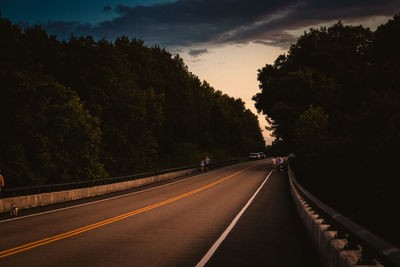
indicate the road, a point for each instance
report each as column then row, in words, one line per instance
column 173, row 224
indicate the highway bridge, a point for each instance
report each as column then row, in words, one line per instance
column 245, row 214
column 238, row 215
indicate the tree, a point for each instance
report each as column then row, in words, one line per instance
column 334, row 99
column 50, row 137
column 85, row 108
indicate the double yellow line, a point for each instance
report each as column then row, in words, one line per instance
column 51, row 239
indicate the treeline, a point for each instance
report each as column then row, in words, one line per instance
column 334, row 100
column 84, row 109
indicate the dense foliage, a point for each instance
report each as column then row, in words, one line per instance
column 84, row 109
column 334, row 100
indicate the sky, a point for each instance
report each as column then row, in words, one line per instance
column 224, row 42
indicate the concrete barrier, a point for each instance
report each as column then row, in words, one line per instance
column 30, row 201
column 331, row 250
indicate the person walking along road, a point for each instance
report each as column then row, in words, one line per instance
column 207, row 162
column 202, row 165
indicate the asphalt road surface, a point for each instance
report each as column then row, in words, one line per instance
column 215, row 218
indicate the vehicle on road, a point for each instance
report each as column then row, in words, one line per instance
column 262, row 155
column 254, row 156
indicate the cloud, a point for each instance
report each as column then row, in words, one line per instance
column 197, row 52
column 107, row 8
column 210, row 22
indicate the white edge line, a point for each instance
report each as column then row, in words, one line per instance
column 214, row 247
column 107, row 199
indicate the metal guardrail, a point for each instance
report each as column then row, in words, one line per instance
column 29, row 190
column 372, row 246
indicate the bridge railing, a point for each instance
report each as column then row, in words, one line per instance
column 29, row 190
column 372, row 246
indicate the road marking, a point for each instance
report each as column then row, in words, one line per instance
column 214, row 247
column 107, row 199
column 51, row 239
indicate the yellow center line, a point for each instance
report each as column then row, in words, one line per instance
column 51, row 239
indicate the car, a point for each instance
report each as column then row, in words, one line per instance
column 262, row 155
column 254, row 156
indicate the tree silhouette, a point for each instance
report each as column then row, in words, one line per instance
column 334, row 99
column 83, row 109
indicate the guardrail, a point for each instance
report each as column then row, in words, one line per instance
column 29, row 190
column 373, row 248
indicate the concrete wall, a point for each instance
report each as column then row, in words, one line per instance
column 25, row 202
column 331, row 250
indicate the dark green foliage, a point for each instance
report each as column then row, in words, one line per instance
column 335, row 100
column 84, row 109
column 47, row 135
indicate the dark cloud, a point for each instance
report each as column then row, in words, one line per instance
column 107, row 8
column 193, row 22
column 197, row 52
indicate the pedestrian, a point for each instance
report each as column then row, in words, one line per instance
column 274, row 162
column 281, row 163
column 202, row 165
column 1, row 185
column 207, row 162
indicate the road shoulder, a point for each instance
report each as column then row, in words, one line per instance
column 269, row 233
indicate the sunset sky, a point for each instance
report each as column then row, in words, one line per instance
column 223, row 42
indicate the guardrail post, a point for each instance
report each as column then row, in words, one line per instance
column 325, row 221
column 340, row 234
column 367, row 258
column 351, row 244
